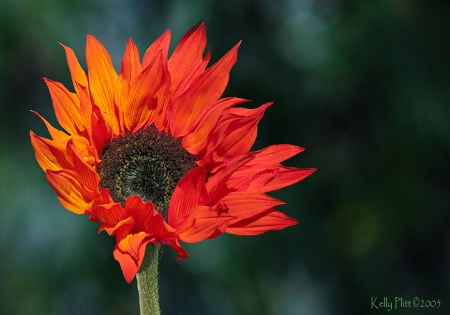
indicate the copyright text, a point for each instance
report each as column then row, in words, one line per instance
column 392, row 303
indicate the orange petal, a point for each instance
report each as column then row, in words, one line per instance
column 146, row 94
column 190, row 189
column 86, row 150
column 120, row 99
column 203, row 223
column 56, row 134
column 207, row 88
column 85, row 109
column 78, row 75
column 50, row 154
column 266, row 221
column 88, row 175
column 129, row 252
column 130, row 69
column 131, row 65
column 72, row 193
column 102, row 81
column 67, row 107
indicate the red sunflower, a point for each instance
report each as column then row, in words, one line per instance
column 155, row 155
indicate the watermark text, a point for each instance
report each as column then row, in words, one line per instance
column 393, row 303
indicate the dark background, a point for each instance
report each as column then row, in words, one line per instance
column 362, row 85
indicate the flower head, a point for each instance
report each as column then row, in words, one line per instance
column 155, row 155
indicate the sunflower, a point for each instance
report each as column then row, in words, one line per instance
column 155, row 155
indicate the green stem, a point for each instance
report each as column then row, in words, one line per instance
column 147, row 281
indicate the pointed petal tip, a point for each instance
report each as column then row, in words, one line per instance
column 47, row 80
column 199, row 25
column 130, row 41
column 235, row 48
column 92, row 40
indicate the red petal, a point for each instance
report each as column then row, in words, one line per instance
column 110, row 214
column 275, row 154
column 218, row 181
column 179, row 88
column 181, row 252
column 287, row 176
column 161, row 45
column 129, row 252
column 142, row 212
column 148, row 219
column 264, row 173
column 100, row 130
column 202, row 224
column 244, row 205
column 103, row 198
column 266, row 221
column 188, row 54
column 190, row 189
column 268, row 179
column 251, row 183
column 240, row 131
column 195, row 141
column 121, row 229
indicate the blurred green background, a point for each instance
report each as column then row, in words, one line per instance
column 364, row 86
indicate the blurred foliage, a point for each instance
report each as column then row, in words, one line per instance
column 363, row 85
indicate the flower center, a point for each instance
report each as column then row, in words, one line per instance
column 147, row 163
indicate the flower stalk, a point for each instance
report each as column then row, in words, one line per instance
column 147, row 281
